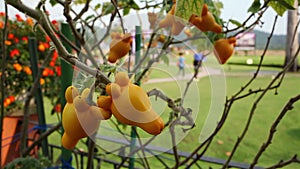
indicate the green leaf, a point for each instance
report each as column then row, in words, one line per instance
column 98, row 6
column 134, row 5
column 53, row 2
column 255, row 6
column 107, row 8
column 185, row 8
column 165, row 59
column 280, row 6
column 235, row 22
column 126, row 11
column 89, row 17
column 287, row 4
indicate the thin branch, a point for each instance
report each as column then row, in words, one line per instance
column 288, row 106
column 260, row 61
column 75, row 32
column 229, row 103
column 254, row 106
column 84, row 9
column 114, row 2
column 152, row 61
column 41, row 138
column 174, row 147
column 282, row 163
column 243, row 25
column 135, row 151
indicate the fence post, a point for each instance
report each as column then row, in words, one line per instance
column 39, row 95
column 66, row 80
column 138, row 40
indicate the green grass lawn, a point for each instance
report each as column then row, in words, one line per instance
column 285, row 143
column 236, row 64
column 286, row 140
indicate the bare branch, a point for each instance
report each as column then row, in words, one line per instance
column 288, row 106
column 42, row 137
column 282, row 163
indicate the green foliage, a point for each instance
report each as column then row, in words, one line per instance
column 280, row 6
column 107, row 8
column 255, row 6
column 235, row 22
column 185, row 8
column 28, row 163
column 18, row 72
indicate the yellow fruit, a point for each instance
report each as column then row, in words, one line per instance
column 119, row 48
column 152, row 18
column 206, row 22
column 71, row 92
column 224, row 49
column 79, row 119
column 131, row 105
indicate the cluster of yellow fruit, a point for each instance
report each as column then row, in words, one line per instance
column 127, row 102
column 205, row 22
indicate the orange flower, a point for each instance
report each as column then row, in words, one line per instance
column 42, row 81
column 1, row 25
column 29, row 21
column 11, row 98
column 27, row 70
column 58, row 70
column 45, row 72
column 2, row 13
column 18, row 67
column 25, row 39
column 41, row 47
column 57, row 108
column 10, row 36
column 52, row 63
column 0, row 73
column 19, row 18
column 16, row 40
column 14, row 52
column 7, row 42
column 48, row 39
column 7, row 102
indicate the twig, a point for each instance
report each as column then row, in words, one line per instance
column 3, row 76
column 174, row 146
column 114, row 2
column 253, row 109
column 288, row 106
column 75, row 32
column 150, row 63
column 282, row 163
column 84, row 9
column 135, row 151
column 263, row 9
column 91, row 147
column 41, row 138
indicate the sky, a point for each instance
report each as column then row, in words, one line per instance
column 237, row 10
column 233, row 9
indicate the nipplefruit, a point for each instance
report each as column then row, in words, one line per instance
column 131, row 105
column 206, row 22
column 224, row 48
column 80, row 119
column 119, row 47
